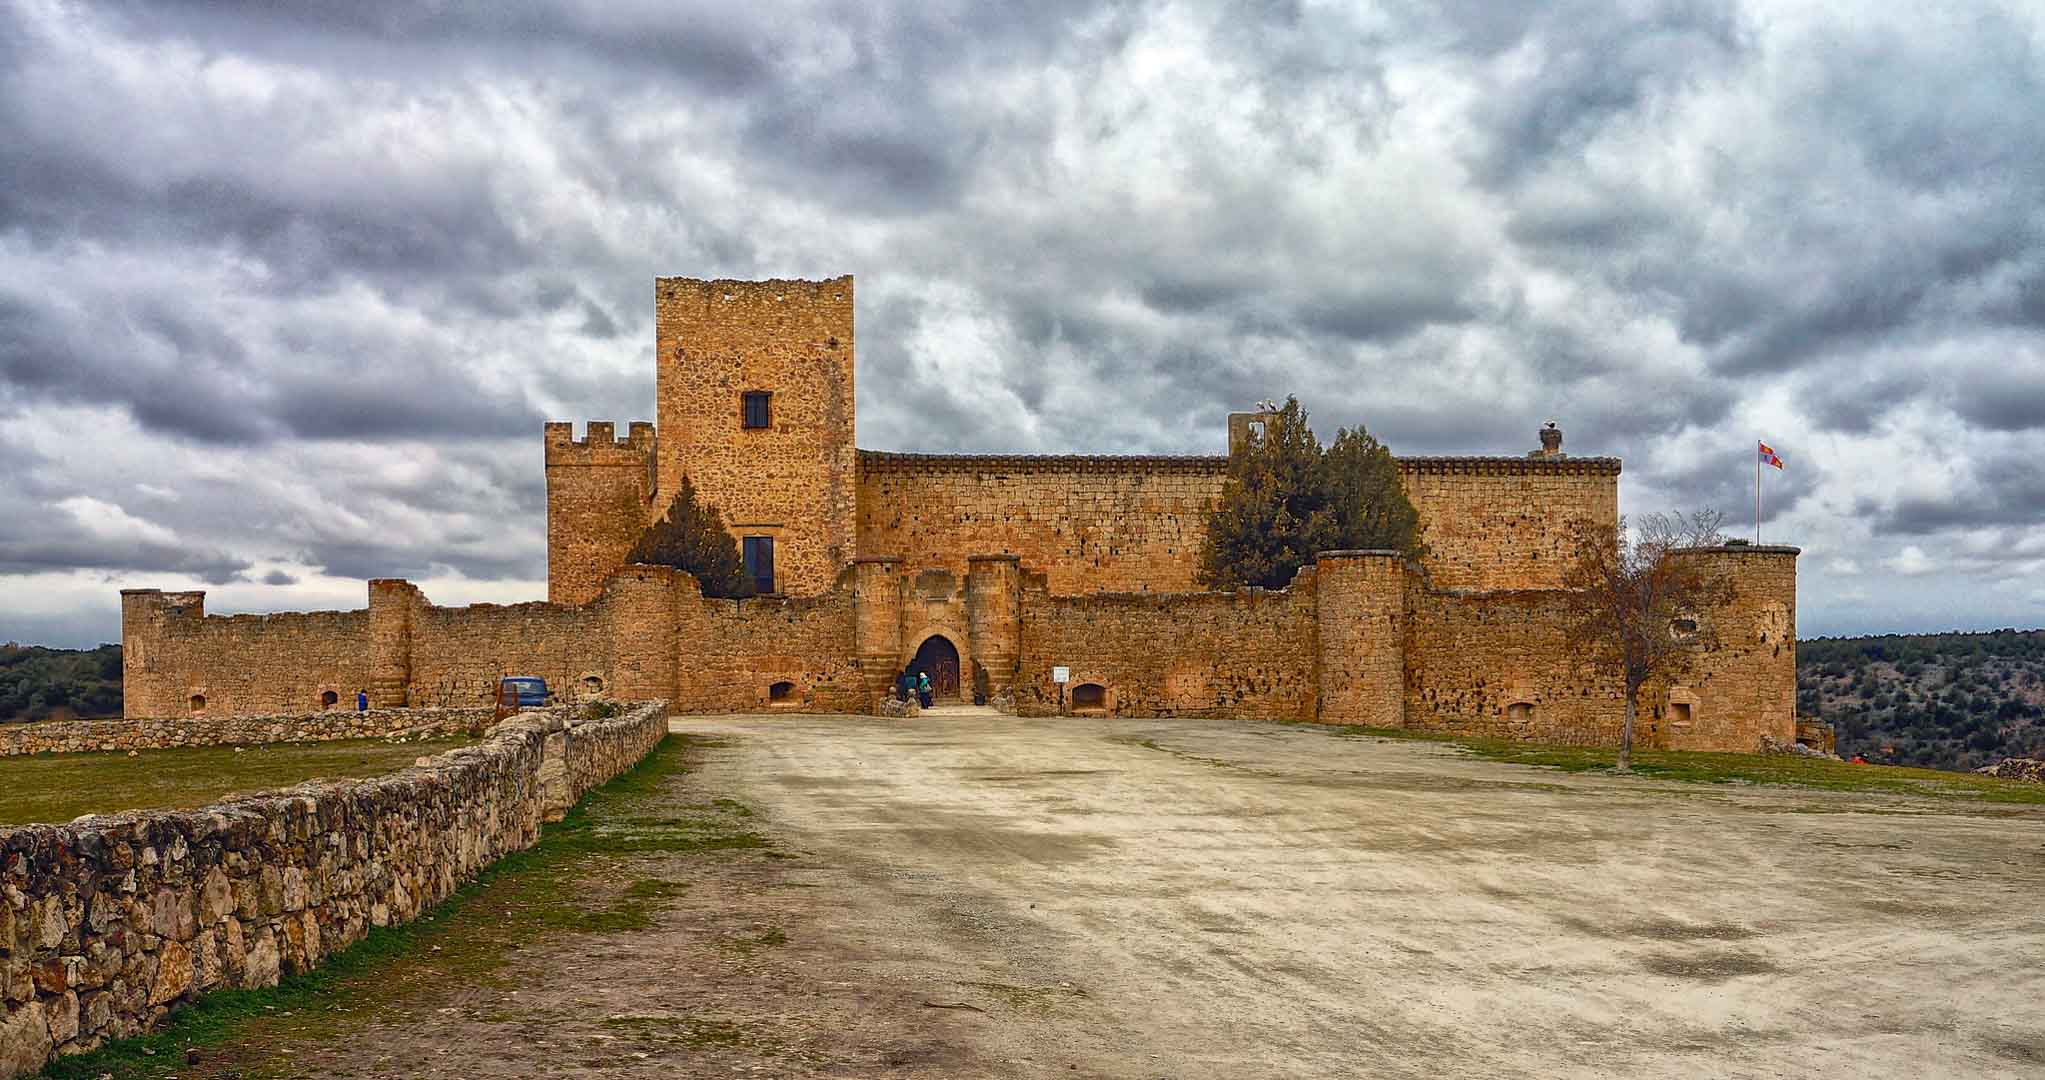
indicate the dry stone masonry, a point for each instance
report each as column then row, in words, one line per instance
column 162, row 733
column 992, row 571
column 109, row 922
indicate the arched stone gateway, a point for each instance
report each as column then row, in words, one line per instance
column 940, row 658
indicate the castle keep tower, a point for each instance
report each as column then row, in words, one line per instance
column 754, row 385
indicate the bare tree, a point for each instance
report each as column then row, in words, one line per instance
column 1633, row 601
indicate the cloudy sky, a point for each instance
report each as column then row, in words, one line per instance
column 286, row 290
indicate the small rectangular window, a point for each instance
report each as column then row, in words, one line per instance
column 759, row 556
column 756, row 411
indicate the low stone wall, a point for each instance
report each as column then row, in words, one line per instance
column 109, row 922
column 74, row 736
column 2016, row 768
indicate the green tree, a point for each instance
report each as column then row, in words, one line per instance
column 692, row 537
column 1285, row 500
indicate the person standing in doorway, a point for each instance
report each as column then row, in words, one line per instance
column 923, row 688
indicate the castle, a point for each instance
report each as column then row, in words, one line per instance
column 997, row 573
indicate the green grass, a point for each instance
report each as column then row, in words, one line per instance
column 55, row 788
column 587, row 874
column 1712, row 768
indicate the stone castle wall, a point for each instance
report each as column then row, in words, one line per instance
column 1505, row 523
column 1090, row 524
column 1497, row 665
column 733, row 653
column 457, row 655
column 109, row 922
column 173, row 653
column 162, row 733
column 1136, row 524
column 1361, row 638
column 1241, row 655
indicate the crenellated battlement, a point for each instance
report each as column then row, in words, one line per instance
column 600, row 445
column 600, row 497
column 156, row 603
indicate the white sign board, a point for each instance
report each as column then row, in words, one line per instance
column 1061, row 674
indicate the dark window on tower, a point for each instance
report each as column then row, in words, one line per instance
column 756, row 412
column 759, row 556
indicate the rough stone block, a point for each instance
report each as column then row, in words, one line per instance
column 216, row 897
column 61, row 1012
column 25, row 1042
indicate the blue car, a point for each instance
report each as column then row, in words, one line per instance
column 524, row 691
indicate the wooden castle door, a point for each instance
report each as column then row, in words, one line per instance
column 940, row 658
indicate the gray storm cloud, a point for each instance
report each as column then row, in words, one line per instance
column 287, row 289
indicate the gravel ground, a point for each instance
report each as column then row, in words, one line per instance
column 987, row 896
column 1212, row 899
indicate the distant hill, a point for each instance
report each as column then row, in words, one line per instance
column 1946, row 701
column 44, row 684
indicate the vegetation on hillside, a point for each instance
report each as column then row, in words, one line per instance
column 1944, row 701
column 53, row 684
column 692, row 537
column 1286, row 499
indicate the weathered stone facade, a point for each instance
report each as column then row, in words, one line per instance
column 794, row 480
column 109, row 922
column 1005, row 566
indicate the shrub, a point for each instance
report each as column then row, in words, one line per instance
column 692, row 537
column 1285, row 500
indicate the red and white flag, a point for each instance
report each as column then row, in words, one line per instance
column 1768, row 456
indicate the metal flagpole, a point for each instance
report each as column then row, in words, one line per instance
column 1757, row 495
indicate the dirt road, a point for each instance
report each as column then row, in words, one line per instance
column 1197, row 899
column 1016, row 898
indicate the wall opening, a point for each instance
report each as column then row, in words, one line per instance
column 1090, row 697
column 781, row 693
column 198, row 703
column 1520, row 713
column 754, row 411
column 758, row 554
column 329, row 699
column 592, row 685
column 939, row 659
column 1679, row 715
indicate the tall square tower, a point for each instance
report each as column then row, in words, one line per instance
column 754, row 387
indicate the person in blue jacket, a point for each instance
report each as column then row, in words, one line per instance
column 361, row 701
column 923, row 688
